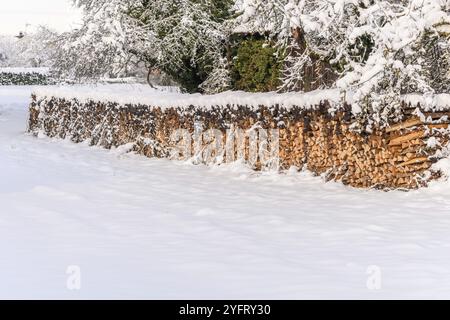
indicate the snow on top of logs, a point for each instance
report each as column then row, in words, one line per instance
column 43, row 71
column 167, row 97
column 124, row 94
column 436, row 102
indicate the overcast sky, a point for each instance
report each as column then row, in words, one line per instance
column 16, row 14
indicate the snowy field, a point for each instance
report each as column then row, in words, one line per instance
column 148, row 228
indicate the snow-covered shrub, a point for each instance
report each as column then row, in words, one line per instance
column 25, row 76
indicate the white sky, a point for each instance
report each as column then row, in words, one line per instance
column 57, row 14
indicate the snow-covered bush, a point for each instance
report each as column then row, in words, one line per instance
column 24, row 76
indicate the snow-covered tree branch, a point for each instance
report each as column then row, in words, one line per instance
column 184, row 38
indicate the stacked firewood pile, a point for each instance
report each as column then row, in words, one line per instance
column 399, row 156
column 396, row 157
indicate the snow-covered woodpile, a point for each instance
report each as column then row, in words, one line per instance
column 320, row 137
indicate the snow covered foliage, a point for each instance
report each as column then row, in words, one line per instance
column 24, row 76
column 379, row 49
column 183, row 38
column 219, row 79
column 188, row 40
column 32, row 50
column 103, row 46
column 3, row 56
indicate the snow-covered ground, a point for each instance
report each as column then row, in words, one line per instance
column 149, row 228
